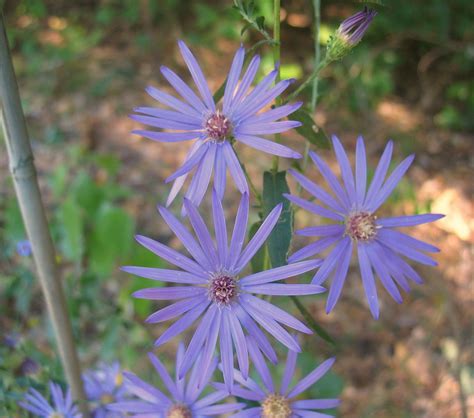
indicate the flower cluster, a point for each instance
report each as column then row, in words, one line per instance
column 209, row 283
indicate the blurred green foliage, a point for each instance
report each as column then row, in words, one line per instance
column 419, row 50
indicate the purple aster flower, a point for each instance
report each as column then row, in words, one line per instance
column 104, row 386
column 23, row 248
column 280, row 403
column 353, row 28
column 184, row 401
column 62, row 407
column 214, row 291
column 380, row 248
column 214, row 129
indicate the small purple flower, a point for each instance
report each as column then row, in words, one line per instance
column 184, row 401
column 280, row 403
column 214, row 291
column 215, row 129
column 29, row 366
column 353, row 209
column 23, row 248
column 63, row 406
column 353, row 28
column 104, row 386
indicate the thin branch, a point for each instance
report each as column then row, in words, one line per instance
column 28, row 194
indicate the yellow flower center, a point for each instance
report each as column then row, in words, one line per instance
column 179, row 411
column 276, row 406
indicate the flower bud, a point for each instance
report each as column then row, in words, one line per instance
column 349, row 34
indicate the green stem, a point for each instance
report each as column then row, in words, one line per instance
column 276, row 60
column 311, row 322
column 314, row 92
column 307, row 82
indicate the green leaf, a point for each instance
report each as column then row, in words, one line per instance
column 72, row 229
column 260, row 22
column 274, row 185
column 259, row 260
column 110, row 240
column 88, row 194
column 311, row 322
column 309, row 129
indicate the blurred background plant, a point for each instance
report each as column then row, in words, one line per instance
column 82, row 66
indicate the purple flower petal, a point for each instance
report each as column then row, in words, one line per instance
column 279, row 273
column 331, row 179
column 240, row 229
column 260, row 101
column 259, row 238
column 368, row 280
column 220, row 173
column 179, row 182
column 316, row 404
column 173, row 310
column 321, row 230
column 380, row 173
column 240, row 344
column 170, row 255
column 267, row 146
column 165, row 275
column 173, row 102
column 256, row 333
column 209, row 349
column 259, row 89
column 390, row 184
column 316, row 191
column 260, row 365
column 202, row 177
column 313, row 248
column 167, row 293
column 164, row 375
column 247, row 80
column 197, row 75
column 376, row 258
column 169, row 114
column 274, row 114
column 339, row 276
column 167, row 123
column 182, row 323
column 202, row 233
column 312, row 207
column 272, row 327
column 190, row 163
column 312, row 378
column 182, row 88
column 265, row 128
column 361, row 172
column 346, row 171
column 233, row 78
column 289, row 371
column 185, row 238
column 167, row 136
column 412, row 220
column 330, row 261
column 281, row 289
column 227, row 354
column 235, row 168
column 197, row 340
column 220, row 228
column 275, row 313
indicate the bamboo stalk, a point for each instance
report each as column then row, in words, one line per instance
column 23, row 171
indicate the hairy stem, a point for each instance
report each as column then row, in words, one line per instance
column 276, row 60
